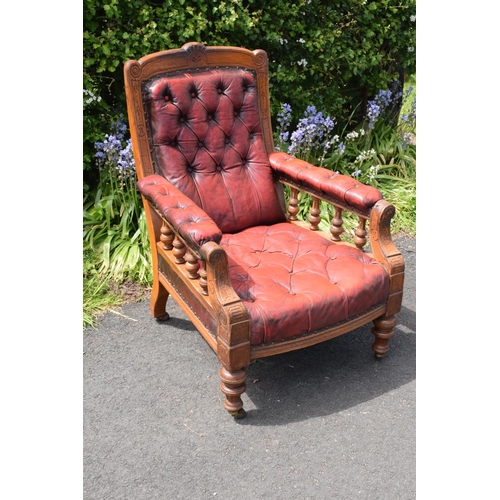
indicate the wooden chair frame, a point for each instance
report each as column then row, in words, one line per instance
column 198, row 278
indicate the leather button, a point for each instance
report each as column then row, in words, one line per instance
column 210, row 117
column 193, row 94
column 227, row 141
column 218, row 168
column 200, row 144
column 219, row 91
column 182, row 119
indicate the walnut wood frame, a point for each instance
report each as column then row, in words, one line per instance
column 205, row 293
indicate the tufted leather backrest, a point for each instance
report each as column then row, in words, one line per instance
column 206, row 139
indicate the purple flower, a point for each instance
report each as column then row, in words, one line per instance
column 116, row 152
column 312, row 133
column 372, row 113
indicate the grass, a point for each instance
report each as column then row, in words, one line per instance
column 97, row 294
column 102, row 291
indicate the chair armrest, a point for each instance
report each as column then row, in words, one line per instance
column 337, row 188
column 186, row 217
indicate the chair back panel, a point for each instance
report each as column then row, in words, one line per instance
column 206, row 139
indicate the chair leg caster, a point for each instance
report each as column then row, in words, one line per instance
column 165, row 317
column 241, row 413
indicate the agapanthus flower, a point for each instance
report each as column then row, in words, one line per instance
column 115, row 152
column 312, row 133
column 372, row 113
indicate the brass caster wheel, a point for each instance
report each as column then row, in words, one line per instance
column 165, row 317
column 239, row 414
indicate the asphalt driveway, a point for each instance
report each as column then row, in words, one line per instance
column 326, row 422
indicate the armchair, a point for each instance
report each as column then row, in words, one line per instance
column 254, row 280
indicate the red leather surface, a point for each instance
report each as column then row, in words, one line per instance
column 193, row 224
column 293, row 281
column 345, row 189
column 207, row 141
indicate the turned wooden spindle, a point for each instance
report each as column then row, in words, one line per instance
column 233, row 386
column 166, row 236
column 337, row 225
column 179, row 251
column 293, row 205
column 192, row 265
column 383, row 330
column 203, row 278
column 314, row 217
column 360, row 234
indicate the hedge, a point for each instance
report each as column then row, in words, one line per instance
column 333, row 54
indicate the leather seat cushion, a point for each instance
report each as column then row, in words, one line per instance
column 293, row 281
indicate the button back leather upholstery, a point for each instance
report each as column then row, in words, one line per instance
column 207, row 147
column 207, row 141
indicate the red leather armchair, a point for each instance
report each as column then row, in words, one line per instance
column 253, row 279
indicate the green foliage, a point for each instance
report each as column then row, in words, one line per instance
column 115, row 237
column 377, row 153
column 97, row 294
column 329, row 53
column 114, row 224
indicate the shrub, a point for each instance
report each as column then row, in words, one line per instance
column 377, row 153
column 114, row 224
column 333, row 54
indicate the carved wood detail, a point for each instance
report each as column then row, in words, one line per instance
column 196, row 54
column 337, row 225
column 293, row 205
column 179, row 250
column 233, row 385
column 233, row 333
column 167, row 236
column 383, row 330
column 192, row 265
column 383, row 248
column 203, row 278
column 360, row 234
column 314, row 214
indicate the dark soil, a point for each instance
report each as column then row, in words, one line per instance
column 131, row 291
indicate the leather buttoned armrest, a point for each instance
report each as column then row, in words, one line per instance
column 338, row 188
column 188, row 219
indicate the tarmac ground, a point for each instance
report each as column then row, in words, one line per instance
column 327, row 422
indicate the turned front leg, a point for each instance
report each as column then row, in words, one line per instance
column 233, row 385
column 383, row 330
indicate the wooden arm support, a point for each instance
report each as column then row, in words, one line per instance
column 185, row 217
column 340, row 190
column 233, row 330
column 385, row 252
column 233, row 344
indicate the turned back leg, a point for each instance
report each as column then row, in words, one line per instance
column 159, row 297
